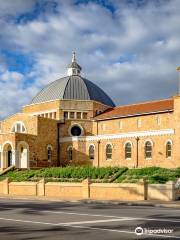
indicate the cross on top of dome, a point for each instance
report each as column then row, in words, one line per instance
column 74, row 68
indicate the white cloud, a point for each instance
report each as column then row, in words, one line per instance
column 132, row 54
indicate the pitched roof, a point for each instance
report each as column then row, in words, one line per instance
column 137, row 109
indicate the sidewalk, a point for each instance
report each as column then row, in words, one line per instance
column 145, row 203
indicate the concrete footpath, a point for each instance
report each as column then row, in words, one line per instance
column 145, row 203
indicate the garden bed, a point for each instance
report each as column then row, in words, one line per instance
column 104, row 174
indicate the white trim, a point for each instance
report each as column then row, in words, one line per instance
column 92, row 145
column 41, row 112
column 108, row 143
column 169, row 140
column 23, row 143
column 119, row 136
column 7, row 142
column 126, row 143
column 69, row 147
column 106, row 151
column 21, row 126
column 148, row 140
column 49, row 146
column 78, row 125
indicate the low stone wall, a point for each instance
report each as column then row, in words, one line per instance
column 165, row 192
column 115, row 191
column 1, row 188
column 63, row 190
column 23, row 188
column 177, row 194
column 87, row 190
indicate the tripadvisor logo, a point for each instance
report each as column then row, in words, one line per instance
column 140, row 231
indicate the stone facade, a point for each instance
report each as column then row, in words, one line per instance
column 59, row 131
column 41, row 132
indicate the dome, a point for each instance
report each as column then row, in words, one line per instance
column 72, row 87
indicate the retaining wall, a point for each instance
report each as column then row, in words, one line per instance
column 87, row 190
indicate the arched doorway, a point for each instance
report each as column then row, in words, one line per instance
column 7, row 155
column 23, row 153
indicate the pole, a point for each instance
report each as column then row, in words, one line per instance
column 178, row 69
column 137, row 153
column 98, row 152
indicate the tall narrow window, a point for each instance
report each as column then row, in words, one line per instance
column 49, row 153
column 91, row 152
column 70, row 153
column 128, row 150
column 78, row 115
column 65, row 115
column 72, row 115
column 148, row 149
column 108, row 151
column 168, row 149
column 84, row 115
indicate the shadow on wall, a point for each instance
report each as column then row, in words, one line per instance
column 76, row 153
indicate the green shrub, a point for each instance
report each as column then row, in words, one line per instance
column 104, row 174
column 151, row 174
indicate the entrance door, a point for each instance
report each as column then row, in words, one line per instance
column 9, row 158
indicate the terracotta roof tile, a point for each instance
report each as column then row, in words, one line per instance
column 137, row 109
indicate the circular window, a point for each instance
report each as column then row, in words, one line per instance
column 76, row 131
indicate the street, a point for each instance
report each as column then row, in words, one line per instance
column 33, row 219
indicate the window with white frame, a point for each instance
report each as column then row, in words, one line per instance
column 49, row 153
column 168, row 149
column 18, row 127
column 78, row 115
column 70, row 153
column 91, row 152
column 128, row 150
column 65, row 115
column 148, row 149
column 108, row 151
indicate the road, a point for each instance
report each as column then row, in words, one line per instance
column 33, row 219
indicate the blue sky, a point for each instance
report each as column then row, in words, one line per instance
column 130, row 48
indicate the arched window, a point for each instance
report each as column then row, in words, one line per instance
column 128, row 150
column 91, row 152
column 70, row 153
column 49, row 153
column 168, row 149
column 148, row 149
column 18, row 127
column 108, row 151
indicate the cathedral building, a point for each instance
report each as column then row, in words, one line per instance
column 72, row 119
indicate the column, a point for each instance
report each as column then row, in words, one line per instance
column 1, row 160
column 14, row 157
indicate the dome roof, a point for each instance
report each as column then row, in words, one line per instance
column 72, row 88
